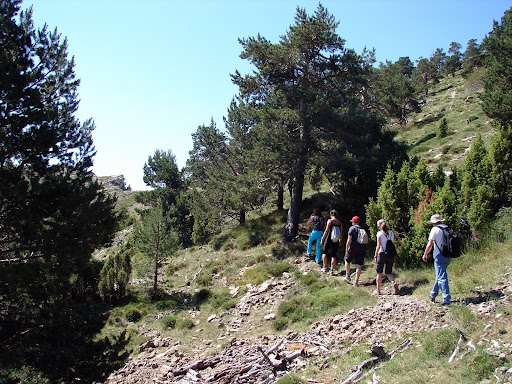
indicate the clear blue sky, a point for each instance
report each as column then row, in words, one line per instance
column 153, row 71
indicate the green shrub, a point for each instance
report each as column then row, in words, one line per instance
column 204, row 278
column 280, row 323
column 316, row 286
column 481, row 365
column 256, row 275
column 132, row 314
column 168, row 322
column 442, row 130
column 202, row 295
column 115, row 274
column 307, row 279
column 441, row 343
column 166, row 304
column 278, row 269
column 185, row 324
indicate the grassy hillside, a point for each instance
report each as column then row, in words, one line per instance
column 247, row 288
column 455, row 99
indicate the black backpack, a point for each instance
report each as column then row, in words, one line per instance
column 390, row 249
column 451, row 245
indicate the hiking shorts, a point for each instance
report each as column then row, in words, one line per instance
column 331, row 248
column 384, row 263
column 356, row 257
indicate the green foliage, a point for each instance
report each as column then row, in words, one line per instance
column 25, row 375
column 442, row 130
column 161, row 172
column 307, row 107
column 155, row 240
column 184, row 323
column 169, row 322
column 480, row 210
column 481, row 365
column 53, row 213
column 395, row 89
column 497, row 97
column 440, row 343
column 132, row 313
column 291, row 378
column 500, row 152
column 115, row 275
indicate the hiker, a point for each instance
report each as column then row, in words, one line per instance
column 354, row 251
column 316, row 234
column 435, row 241
column 385, row 255
column 331, row 241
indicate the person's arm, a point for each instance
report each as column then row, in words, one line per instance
column 311, row 219
column 341, row 232
column 349, row 241
column 379, row 241
column 428, row 248
column 326, row 232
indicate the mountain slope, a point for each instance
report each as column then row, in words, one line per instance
column 234, row 313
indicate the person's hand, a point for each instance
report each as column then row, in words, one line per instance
column 425, row 258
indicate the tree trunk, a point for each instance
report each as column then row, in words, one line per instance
column 280, row 198
column 292, row 222
column 155, row 277
column 297, row 183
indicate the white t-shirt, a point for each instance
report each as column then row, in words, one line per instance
column 436, row 234
column 384, row 239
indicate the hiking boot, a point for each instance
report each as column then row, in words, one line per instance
column 396, row 288
column 323, row 269
column 347, row 279
column 377, row 292
column 331, row 272
column 432, row 300
column 356, row 283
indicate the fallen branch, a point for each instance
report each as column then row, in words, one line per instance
column 457, row 347
column 359, row 370
column 358, row 374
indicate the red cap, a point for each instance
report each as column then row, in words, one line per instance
column 355, row 219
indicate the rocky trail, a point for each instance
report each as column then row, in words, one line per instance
column 387, row 329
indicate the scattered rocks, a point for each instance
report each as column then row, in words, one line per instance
column 266, row 358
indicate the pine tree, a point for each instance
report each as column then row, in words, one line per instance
column 497, row 95
column 155, row 239
column 306, row 90
column 442, row 129
column 454, row 60
column 472, row 58
column 53, row 213
column 396, row 92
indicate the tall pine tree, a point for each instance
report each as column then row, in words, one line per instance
column 306, row 89
column 53, row 214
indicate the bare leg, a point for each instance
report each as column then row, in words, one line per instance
column 347, row 270
column 358, row 272
column 333, row 264
column 379, row 281
column 324, row 261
